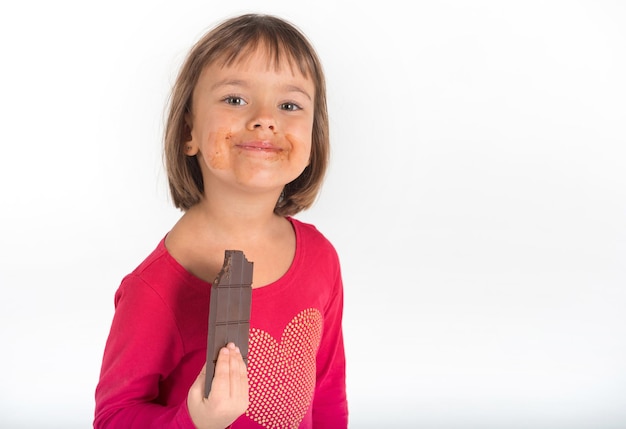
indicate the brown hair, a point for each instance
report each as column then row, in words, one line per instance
column 228, row 42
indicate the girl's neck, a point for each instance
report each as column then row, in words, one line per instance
column 236, row 216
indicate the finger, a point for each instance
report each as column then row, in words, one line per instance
column 238, row 375
column 196, row 391
column 243, row 377
column 233, row 369
column 221, row 381
column 198, row 385
column 244, row 373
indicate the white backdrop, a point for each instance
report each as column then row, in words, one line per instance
column 477, row 198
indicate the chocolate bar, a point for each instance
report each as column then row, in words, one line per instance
column 229, row 310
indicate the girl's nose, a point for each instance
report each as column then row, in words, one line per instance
column 262, row 119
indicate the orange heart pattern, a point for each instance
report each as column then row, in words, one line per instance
column 282, row 374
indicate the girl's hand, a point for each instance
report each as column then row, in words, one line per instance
column 228, row 398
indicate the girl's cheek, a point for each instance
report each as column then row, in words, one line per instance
column 219, row 148
column 298, row 149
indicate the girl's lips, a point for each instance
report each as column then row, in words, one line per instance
column 261, row 146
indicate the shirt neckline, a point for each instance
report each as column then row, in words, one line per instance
column 267, row 290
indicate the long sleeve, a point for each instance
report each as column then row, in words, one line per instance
column 330, row 408
column 143, row 349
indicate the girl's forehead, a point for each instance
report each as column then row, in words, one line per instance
column 276, row 58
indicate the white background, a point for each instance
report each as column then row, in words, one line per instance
column 477, row 198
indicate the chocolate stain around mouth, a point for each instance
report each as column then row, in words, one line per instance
column 224, row 149
column 217, row 159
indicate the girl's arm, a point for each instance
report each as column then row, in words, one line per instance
column 143, row 349
column 330, row 408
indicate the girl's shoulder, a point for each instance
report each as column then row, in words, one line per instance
column 307, row 230
column 161, row 273
column 311, row 240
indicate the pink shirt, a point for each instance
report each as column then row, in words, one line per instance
column 296, row 362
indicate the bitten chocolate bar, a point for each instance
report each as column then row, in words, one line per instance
column 229, row 310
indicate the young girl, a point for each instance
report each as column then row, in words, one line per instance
column 246, row 147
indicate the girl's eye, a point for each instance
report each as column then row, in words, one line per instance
column 289, row 106
column 235, row 101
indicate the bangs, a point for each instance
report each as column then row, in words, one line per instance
column 281, row 47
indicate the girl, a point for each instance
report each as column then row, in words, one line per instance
column 246, row 148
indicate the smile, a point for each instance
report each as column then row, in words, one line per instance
column 259, row 146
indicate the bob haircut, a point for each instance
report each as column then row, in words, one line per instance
column 229, row 42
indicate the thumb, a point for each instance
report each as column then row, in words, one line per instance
column 197, row 388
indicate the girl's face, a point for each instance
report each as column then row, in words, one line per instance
column 251, row 123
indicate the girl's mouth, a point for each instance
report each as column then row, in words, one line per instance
column 259, row 146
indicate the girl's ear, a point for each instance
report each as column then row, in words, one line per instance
column 191, row 148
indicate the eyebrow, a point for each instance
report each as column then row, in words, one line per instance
column 295, row 88
column 228, row 82
column 239, row 82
